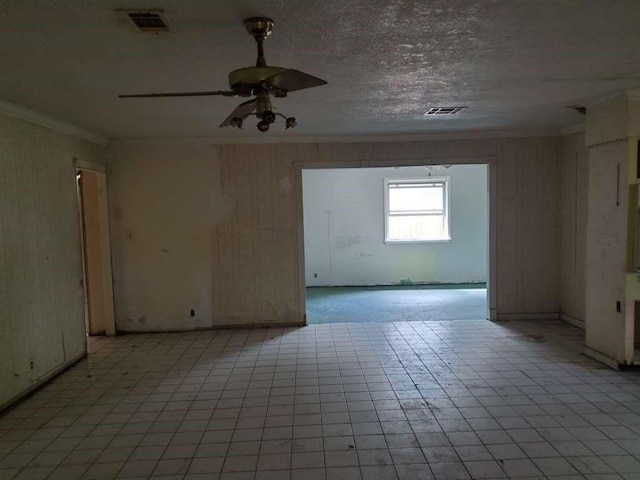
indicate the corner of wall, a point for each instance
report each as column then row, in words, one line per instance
column 572, row 221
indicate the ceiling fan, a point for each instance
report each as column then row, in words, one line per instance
column 261, row 82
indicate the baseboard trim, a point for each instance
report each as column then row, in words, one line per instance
column 434, row 285
column 527, row 316
column 232, row 326
column 54, row 373
column 225, row 326
column 576, row 322
column 601, row 357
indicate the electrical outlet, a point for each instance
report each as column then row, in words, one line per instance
column 618, row 306
column 193, row 313
column 315, row 275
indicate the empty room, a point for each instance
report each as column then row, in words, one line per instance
column 395, row 243
column 301, row 240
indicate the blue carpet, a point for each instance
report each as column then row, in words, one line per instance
column 397, row 303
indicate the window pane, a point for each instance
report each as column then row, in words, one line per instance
column 416, row 199
column 408, row 227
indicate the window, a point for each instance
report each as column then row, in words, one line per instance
column 416, row 210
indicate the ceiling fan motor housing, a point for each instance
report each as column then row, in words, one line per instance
column 259, row 27
column 251, row 76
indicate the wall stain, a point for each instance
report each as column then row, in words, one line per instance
column 285, row 185
column 342, row 243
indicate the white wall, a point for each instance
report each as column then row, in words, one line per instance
column 41, row 299
column 344, row 229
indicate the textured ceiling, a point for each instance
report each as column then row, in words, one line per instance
column 515, row 64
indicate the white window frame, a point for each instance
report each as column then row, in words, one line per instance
column 446, row 208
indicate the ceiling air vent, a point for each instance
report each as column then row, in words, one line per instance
column 444, row 110
column 149, row 21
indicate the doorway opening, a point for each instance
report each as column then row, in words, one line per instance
column 396, row 243
column 96, row 251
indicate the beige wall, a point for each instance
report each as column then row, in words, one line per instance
column 607, row 250
column 219, row 229
column 41, row 299
column 165, row 201
column 612, row 132
column 573, row 182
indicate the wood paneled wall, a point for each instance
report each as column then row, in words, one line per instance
column 256, row 252
column 41, row 299
column 574, row 179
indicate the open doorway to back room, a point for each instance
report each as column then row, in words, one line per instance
column 396, row 243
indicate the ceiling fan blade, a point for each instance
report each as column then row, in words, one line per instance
column 180, row 94
column 291, row 80
column 241, row 111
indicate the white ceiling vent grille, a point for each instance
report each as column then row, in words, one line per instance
column 149, row 21
column 444, row 110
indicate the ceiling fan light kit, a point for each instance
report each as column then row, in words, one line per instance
column 260, row 81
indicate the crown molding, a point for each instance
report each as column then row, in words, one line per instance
column 22, row 113
column 633, row 94
column 578, row 127
column 421, row 137
column 266, row 139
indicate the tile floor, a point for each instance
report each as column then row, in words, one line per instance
column 415, row 400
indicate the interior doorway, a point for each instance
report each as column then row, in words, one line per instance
column 396, row 243
column 96, row 251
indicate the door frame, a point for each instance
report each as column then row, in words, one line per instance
column 489, row 161
column 106, row 272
